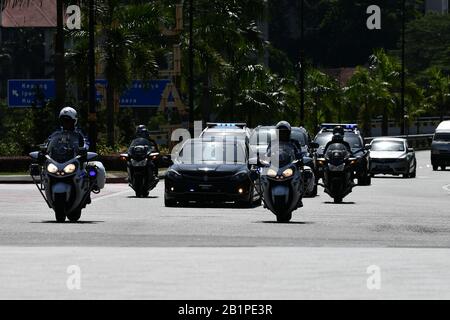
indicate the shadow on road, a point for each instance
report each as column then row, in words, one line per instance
column 292, row 222
column 149, row 197
column 68, row 222
column 389, row 177
column 331, row 202
column 214, row 205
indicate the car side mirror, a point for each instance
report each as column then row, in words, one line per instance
column 367, row 147
column 410, row 150
column 314, row 145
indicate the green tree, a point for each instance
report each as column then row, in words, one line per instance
column 438, row 92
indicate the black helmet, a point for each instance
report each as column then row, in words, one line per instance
column 141, row 131
column 339, row 130
column 337, row 137
column 284, row 131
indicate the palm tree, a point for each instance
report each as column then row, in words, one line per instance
column 438, row 91
column 386, row 70
column 129, row 40
column 321, row 95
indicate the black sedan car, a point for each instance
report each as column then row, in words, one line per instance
column 211, row 171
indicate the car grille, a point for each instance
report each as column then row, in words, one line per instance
column 387, row 161
column 210, row 175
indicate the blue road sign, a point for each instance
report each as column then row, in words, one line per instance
column 141, row 94
column 28, row 93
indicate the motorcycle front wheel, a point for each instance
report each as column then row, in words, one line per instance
column 60, row 207
column 283, row 218
column 74, row 216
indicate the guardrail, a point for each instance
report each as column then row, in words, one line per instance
column 416, row 141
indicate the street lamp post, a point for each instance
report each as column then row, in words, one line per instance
column 302, row 63
column 191, row 65
column 92, row 114
column 59, row 56
column 403, row 77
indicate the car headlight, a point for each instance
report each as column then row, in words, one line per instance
column 70, row 168
column 288, row 173
column 52, row 168
column 271, row 173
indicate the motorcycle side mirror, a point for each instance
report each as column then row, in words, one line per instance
column 34, row 155
column 37, row 155
column 166, row 160
column 314, row 145
column 91, row 156
column 254, row 174
column 297, row 162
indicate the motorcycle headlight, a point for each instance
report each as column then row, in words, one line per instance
column 70, row 168
column 52, row 168
column 288, row 173
column 271, row 173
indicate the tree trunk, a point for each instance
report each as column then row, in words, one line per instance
column 206, row 99
column 110, row 115
column 385, row 123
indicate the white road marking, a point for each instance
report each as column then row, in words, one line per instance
column 428, row 166
column 446, row 188
column 111, row 195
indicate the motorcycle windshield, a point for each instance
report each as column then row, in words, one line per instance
column 284, row 156
column 63, row 146
column 337, row 151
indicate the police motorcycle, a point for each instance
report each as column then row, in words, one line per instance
column 282, row 183
column 65, row 175
column 338, row 167
column 141, row 162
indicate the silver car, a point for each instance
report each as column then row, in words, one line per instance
column 392, row 156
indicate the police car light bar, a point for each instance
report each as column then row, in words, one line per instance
column 225, row 125
column 348, row 126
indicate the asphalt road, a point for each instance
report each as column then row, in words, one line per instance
column 136, row 248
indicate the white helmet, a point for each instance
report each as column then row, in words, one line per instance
column 69, row 112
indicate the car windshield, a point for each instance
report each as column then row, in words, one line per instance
column 228, row 135
column 197, row 152
column 299, row 136
column 352, row 139
column 262, row 137
column 442, row 137
column 63, row 146
column 388, row 146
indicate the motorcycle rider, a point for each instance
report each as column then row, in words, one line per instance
column 285, row 142
column 338, row 137
column 68, row 117
column 142, row 138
